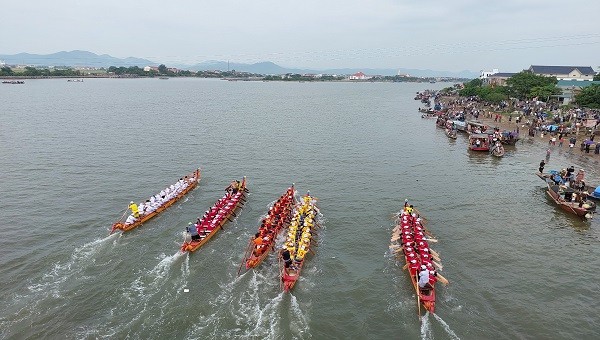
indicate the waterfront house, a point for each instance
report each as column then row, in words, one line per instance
column 581, row 73
column 358, row 76
column 498, row 79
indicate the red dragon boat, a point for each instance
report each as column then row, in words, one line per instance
column 277, row 218
column 409, row 242
column 214, row 218
column 188, row 183
column 297, row 245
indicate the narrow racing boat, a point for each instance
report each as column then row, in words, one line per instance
column 214, row 218
column 263, row 241
column 297, row 245
column 409, row 242
column 157, row 203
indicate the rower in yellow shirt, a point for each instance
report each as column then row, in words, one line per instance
column 134, row 209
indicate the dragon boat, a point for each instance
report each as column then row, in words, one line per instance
column 188, row 183
column 277, row 218
column 297, row 245
column 409, row 242
column 214, row 218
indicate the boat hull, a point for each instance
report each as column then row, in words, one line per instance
column 192, row 246
column 570, row 207
column 128, row 227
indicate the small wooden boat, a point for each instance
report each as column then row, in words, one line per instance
column 409, row 242
column 555, row 177
column 277, row 218
column 214, row 218
column 189, row 182
column 451, row 133
column 479, row 142
column 568, row 200
column 297, row 245
column 497, row 150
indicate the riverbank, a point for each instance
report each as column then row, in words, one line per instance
column 507, row 121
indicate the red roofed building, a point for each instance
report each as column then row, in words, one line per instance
column 358, row 76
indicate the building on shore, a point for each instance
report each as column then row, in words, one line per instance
column 358, row 76
column 579, row 73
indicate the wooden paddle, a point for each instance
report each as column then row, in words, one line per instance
column 442, row 279
column 431, row 240
column 418, row 295
column 405, row 266
column 438, row 265
column 434, row 253
column 245, row 256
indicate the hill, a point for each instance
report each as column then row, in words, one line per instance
column 72, row 58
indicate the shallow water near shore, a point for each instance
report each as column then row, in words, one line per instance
column 74, row 154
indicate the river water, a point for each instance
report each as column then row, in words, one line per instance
column 73, row 155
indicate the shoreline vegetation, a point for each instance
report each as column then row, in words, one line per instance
column 162, row 71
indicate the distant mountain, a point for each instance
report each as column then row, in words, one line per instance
column 85, row 58
column 72, row 58
column 268, row 67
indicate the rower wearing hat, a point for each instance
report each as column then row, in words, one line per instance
column 134, row 209
column 423, row 276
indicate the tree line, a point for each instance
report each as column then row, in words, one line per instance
column 525, row 86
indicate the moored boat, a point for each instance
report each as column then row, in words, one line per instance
column 568, row 200
column 157, row 203
column 479, row 142
column 297, row 245
column 451, row 133
column 497, row 150
column 213, row 219
column 409, row 242
column 263, row 241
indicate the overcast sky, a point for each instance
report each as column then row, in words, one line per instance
column 450, row 35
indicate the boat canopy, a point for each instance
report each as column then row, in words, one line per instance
column 597, row 192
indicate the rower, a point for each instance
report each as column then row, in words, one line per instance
column 134, row 209
column 193, row 231
column 287, row 260
column 130, row 219
column 258, row 241
column 423, row 277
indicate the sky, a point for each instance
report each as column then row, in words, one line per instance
column 449, row 35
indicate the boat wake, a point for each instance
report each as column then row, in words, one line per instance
column 427, row 332
column 449, row 331
column 248, row 303
column 153, row 290
column 51, row 285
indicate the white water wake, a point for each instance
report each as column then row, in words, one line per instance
column 51, row 284
column 155, row 290
column 426, row 327
column 446, row 327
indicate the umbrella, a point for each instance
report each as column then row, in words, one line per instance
column 588, row 142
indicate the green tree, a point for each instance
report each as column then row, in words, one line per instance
column 597, row 77
column 6, row 71
column 162, row 68
column 589, row 97
column 544, row 92
column 520, row 84
column 31, row 72
column 495, row 97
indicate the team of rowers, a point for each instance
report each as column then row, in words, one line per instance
column 419, row 257
column 277, row 217
column 154, row 202
column 299, row 234
column 215, row 215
